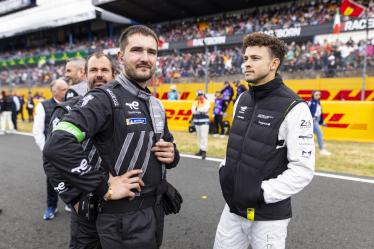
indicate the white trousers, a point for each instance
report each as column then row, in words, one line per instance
column 236, row 232
column 6, row 117
column 202, row 136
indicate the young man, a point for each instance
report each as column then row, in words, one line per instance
column 100, row 71
column 270, row 153
column 43, row 114
column 128, row 128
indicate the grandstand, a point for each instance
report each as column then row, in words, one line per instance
column 30, row 55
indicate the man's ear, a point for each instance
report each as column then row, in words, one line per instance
column 274, row 64
column 120, row 55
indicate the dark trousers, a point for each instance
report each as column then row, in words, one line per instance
column 131, row 230
column 83, row 233
column 20, row 112
column 31, row 116
column 14, row 119
column 52, row 196
column 218, row 123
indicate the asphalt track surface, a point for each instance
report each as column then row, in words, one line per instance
column 329, row 214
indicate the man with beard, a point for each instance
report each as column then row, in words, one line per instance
column 100, row 71
column 129, row 129
column 75, row 75
column 270, row 153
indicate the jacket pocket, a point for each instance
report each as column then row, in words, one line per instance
column 226, row 178
column 247, row 187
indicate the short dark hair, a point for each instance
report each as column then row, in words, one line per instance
column 135, row 29
column 275, row 45
column 99, row 54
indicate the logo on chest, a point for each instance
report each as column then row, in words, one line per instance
column 241, row 112
column 136, row 121
column 133, row 108
column 133, row 105
column 264, row 119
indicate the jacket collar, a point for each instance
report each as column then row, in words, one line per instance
column 133, row 87
column 265, row 89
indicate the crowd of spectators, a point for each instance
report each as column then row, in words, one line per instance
column 326, row 59
column 220, row 62
column 77, row 45
column 288, row 15
column 292, row 14
column 31, row 76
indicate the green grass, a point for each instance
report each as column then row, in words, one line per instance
column 347, row 157
column 24, row 126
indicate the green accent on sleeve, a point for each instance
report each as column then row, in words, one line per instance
column 72, row 129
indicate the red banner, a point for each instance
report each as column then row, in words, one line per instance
column 351, row 8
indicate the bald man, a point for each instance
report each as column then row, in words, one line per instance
column 43, row 113
column 75, row 75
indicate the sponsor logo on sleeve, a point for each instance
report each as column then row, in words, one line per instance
column 306, row 154
column 83, row 168
column 306, row 139
column 305, row 124
column 309, row 136
column 86, row 99
column 60, row 188
column 55, row 122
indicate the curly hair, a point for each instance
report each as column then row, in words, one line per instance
column 275, row 45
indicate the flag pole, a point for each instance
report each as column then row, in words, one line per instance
column 364, row 69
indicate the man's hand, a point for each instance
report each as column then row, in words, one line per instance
column 121, row 185
column 164, row 151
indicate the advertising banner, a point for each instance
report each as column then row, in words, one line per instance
column 346, row 117
column 345, row 120
column 42, row 59
column 349, row 120
column 331, row 88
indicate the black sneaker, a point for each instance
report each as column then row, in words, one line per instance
column 198, row 153
column 203, row 154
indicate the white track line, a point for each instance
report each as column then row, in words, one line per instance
column 213, row 159
column 23, row 133
column 341, row 177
